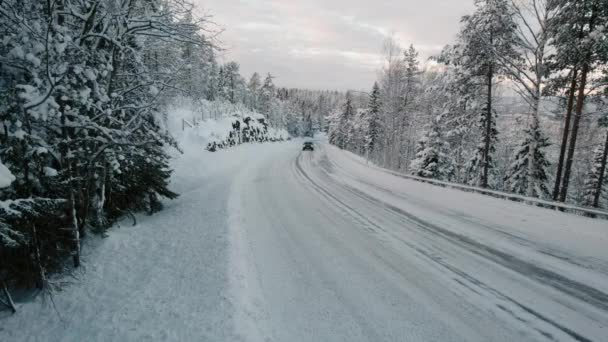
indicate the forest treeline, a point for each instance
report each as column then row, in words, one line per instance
column 452, row 119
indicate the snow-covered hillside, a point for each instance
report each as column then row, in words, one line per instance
column 218, row 125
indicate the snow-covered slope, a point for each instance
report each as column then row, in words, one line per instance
column 231, row 125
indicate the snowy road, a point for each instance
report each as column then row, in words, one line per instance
column 333, row 250
column 269, row 243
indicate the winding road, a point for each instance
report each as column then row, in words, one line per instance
column 332, row 249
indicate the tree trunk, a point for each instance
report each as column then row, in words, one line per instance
column 598, row 189
column 579, row 107
column 577, row 118
column 562, row 152
column 74, row 218
column 534, row 128
column 99, row 198
column 41, row 280
column 486, row 152
column 9, row 299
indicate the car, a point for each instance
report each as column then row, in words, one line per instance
column 308, row 146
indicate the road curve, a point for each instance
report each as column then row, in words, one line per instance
column 331, row 249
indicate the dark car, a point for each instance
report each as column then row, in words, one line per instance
column 308, row 146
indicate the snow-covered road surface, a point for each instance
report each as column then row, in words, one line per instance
column 269, row 243
column 333, row 250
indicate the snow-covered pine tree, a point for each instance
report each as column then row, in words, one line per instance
column 528, row 73
column 391, row 113
column 333, row 129
column 373, row 123
column 407, row 124
column 520, row 173
column 233, row 82
column 595, row 190
column 432, row 155
column 254, row 85
column 579, row 33
column 488, row 33
column 480, row 166
column 462, row 96
column 358, row 131
column 347, row 123
column 213, row 86
column 268, row 104
column 341, row 124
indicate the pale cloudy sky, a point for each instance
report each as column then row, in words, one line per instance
column 329, row 44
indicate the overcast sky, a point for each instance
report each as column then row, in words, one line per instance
column 329, row 44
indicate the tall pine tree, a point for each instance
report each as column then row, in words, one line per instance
column 373, row 120
column 487, row 34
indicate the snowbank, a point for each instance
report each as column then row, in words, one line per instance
column 216, row 125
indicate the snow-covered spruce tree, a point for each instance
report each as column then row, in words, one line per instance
column 408, row 124
column 334, row 131
column 480, row 167
column 391, row 85
column 253, row 87
column 521, row 176
column 432, row 155
column 232, row 83
column 358, row 131
column 528, row 72
column 372, row 136
column 488, row 33
column 267, row 98
column 213, row 86
column 461, row 93
column 347, row 123
column 341, row 123
column 595, row 190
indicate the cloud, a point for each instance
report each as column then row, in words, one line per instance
column 259, row 26
column 329, row 44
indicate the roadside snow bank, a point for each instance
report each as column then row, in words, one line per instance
column 217, row 125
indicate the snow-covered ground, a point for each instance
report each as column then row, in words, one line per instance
column 269, row 243
column 164, row 279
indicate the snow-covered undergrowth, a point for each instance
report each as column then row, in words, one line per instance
column 216, row 125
